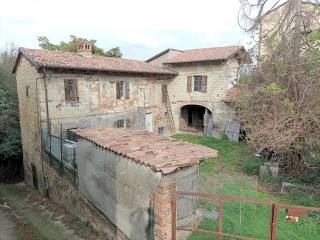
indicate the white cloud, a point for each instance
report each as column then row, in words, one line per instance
column 149, row 23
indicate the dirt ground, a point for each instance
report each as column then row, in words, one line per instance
column 27, row 215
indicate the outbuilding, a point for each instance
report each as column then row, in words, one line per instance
column 129, row 174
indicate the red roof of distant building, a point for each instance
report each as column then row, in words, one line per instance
column 232, row 93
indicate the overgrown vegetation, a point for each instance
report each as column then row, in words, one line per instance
column 232, row 156
column 224, row 175
column 72, row 44
column 10, row 143
column 279, row 101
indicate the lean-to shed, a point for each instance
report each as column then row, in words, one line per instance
column 126, row 174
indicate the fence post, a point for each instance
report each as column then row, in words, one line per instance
column 273, row 222
column 61, row 149
column 219, row 236
column 74, row 166
column 174, row 214
column 50, row 146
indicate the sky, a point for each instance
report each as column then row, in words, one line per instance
column 141, row 28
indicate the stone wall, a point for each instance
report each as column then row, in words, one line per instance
column 219, row 79
column 27, row 81
column 98, row 106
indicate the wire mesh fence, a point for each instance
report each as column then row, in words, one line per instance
column 62, row 153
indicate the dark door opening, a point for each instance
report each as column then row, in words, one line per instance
column 34, row 176
column 193, row 118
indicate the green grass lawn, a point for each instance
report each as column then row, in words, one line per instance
column 229, row 174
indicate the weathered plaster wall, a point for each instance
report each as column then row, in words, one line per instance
column 219, row 79
column 98, row 106
column 119, row 187
column 28, row 77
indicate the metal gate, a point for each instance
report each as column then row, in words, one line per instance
column 290, row 212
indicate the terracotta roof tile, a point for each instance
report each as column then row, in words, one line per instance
column 232, row 93
column 205, row 54
column 160, row 153
column 75, row 61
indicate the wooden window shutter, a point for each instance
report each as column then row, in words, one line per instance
column 127, row 90
column 128, row 123
column 119, row 89
column 204, row 84
column 189, row 83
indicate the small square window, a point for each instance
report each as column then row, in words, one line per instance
column 27, row 91
column 120, row 123
column 161, row 130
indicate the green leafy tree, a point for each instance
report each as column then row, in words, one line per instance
column 71, row 46
column 10, row 143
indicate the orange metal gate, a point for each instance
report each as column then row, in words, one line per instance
column 293, row 212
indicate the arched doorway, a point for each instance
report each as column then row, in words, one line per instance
column 194, row 118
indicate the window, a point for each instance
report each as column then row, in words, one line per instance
column 71, row 90
column 120, row 123
column 197, row 80
column 27, row 91
column 119, row 89
column 161, row 130
column 200, row 83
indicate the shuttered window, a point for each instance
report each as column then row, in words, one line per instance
column 119, row 89
column 204, row 84
column 200, row 83
column 128, row 123
column 119, row 123
column 189, row 83
column 71, row 90
column 127, row 90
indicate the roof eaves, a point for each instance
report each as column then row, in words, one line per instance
column 21, row 51
column 171, row 73
column 235, row 53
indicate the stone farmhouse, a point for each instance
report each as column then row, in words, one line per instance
column 92, row 127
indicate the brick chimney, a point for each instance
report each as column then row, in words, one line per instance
column 85, row 48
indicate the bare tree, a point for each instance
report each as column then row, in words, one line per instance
column 279, row 100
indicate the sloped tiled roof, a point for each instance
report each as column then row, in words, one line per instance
column 75, row 61
column 232, row 93
column 162, row 154
column 206, row 54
